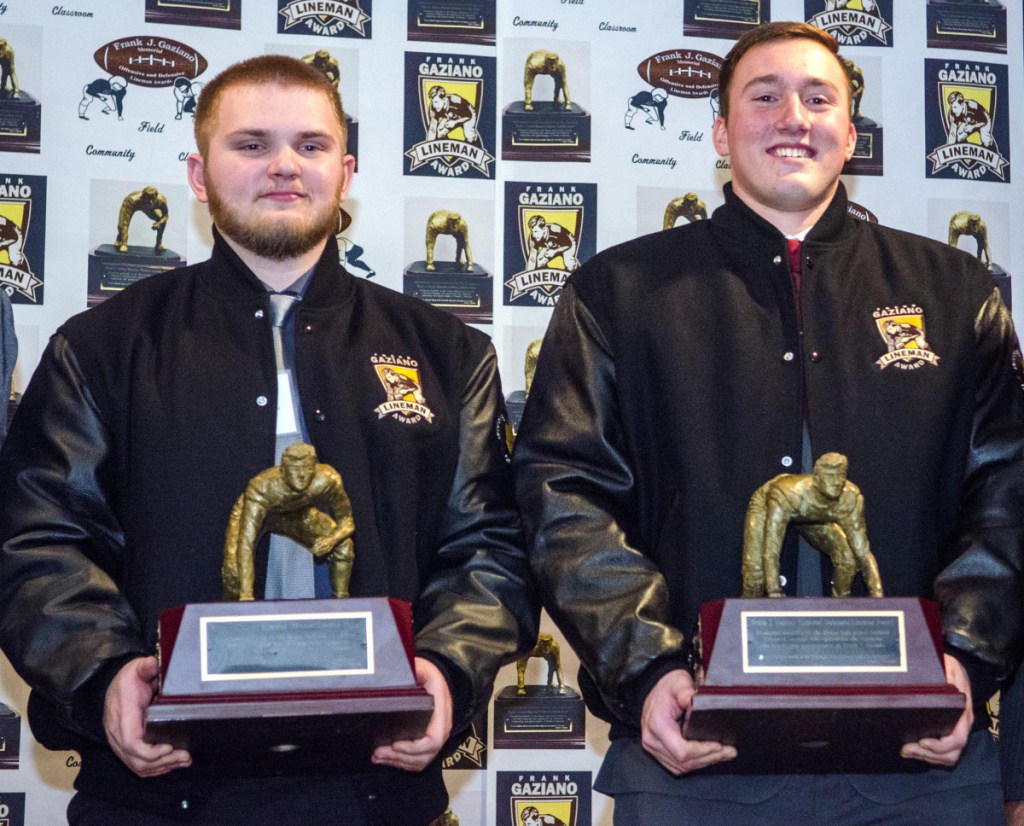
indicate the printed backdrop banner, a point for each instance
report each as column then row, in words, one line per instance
column 500, row 144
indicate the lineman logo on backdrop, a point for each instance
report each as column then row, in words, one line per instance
column 326, row 18
column 853, row 22
column 543, row 799
column 549, row 232
column 400, row 378
column 449, row 119
column 12, row 809
column 902, row 330
column 22, row 237
column 966, row 124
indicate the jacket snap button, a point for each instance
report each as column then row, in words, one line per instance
column 815, row 357
column 787, row 356
column 261, row 401
column 787, row 461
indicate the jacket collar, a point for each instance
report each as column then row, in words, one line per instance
column 740, row 222
column 329, row 285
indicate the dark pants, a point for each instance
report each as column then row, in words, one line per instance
column 812, row 800
column 968, row 795
column 281, row 801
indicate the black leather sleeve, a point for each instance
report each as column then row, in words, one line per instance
column 982, row 591
column 575, row 489
column 478, row 607
column 61, row 546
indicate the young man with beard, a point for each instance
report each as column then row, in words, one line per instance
column 148, row 415
column 683, row 370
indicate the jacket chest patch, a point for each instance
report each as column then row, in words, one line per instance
column 902, row 330
column 404, row 399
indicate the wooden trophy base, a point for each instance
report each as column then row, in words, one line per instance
column 548, row 132
column 540, row 718
column 295, row 731
column 465, row 293
column 821, row 685
column 287, row 684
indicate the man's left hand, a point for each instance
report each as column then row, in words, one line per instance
column 415, row 755
column 945, row 751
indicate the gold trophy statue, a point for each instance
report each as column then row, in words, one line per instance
column 279, row 683
column 20, row 112
column 445, row 222
column 555, row 129
column 289, row 499
column 112, row 267
column 539, row 716
column 542, row 62
column 546, row 649
column 150, row 203
column 814, row 683
column 689, row 207
column 326, row 64
column 516, row 400
column 827, row 510
column 970, row 224
column 459, row 285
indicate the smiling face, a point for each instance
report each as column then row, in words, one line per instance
column 788, row 131
column 275, row 171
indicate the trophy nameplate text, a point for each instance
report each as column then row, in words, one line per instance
column 20, row 123
column 110, row 270
column 977, row 25
column 819, row 684
column 547, row 133
column 10, row 738
column 465, row 292
column 317, row 682
column 726, row 19
column 1003, row 281
column 869, row 150
column 452, row 21
column 221, row 14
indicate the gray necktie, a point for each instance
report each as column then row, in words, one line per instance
column 280, row 305
column 289, row 565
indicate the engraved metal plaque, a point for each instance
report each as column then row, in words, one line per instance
column 823, row 642
column 279, row 646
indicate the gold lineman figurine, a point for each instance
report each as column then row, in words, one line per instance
column 542, row 62
column 445, row 222
column 827, row 510
column 290, row 500
column 150, row 203
column 547, row 649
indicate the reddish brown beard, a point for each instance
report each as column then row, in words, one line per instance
column 268, row 239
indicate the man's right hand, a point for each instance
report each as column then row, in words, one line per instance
column 128, row 697
column 661, row 732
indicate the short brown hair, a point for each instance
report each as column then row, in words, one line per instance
column 769, row 33
column 256, row 71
